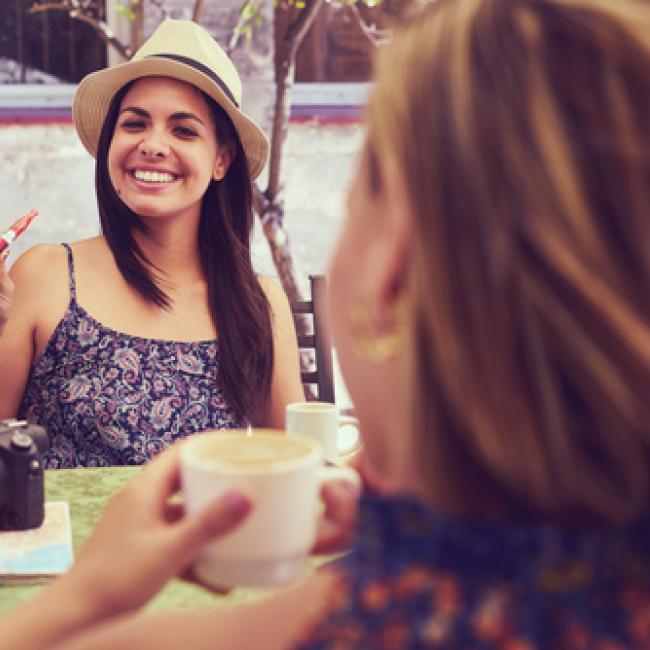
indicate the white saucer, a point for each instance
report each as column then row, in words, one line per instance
column 348, row 438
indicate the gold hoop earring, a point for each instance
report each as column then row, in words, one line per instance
column 372, row 346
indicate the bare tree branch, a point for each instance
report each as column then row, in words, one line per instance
column 249, row 14
column 237, row 32
column 260, row 202
column 160, row 5
column 76, row 13
column 197, row 14
column 137, row 27
column 285, row 60
column 297, row 30
column 236, row 35
column 376, row 35
column 269, row 204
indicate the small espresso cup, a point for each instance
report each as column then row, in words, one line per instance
column 281, row 475
column 322, row 421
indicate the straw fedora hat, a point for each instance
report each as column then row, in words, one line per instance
column 183, row 50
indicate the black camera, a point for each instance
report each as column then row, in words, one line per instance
column 22, row 492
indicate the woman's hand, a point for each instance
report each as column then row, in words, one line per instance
column 6, row 291
column 143, row 539
column 371, row 481
column 341, row 499
column 338, row 523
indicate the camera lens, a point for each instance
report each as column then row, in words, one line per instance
column 21, row 441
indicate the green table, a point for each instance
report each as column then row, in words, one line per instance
column 87, row 491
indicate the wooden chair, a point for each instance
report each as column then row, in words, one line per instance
column 320, row 373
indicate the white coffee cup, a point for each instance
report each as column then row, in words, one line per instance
column 281, row 475
column 323, row 422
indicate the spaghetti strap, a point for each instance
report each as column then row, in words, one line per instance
column 73, row 288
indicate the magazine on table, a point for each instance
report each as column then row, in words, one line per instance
column 38, row 554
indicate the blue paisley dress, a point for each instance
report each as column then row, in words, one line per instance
column 108, row 398
column 419, row 579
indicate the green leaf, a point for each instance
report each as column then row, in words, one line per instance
column 251, row 18
column 125, row 11
column 300, row 4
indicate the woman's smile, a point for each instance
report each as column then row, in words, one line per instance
column 153, row 176
column 153, row 179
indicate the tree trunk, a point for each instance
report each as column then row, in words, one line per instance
column 270, row 204
column 197, row 13
column 137, row 27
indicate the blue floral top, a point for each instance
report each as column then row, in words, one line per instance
column 108, row 398
column 418, row 579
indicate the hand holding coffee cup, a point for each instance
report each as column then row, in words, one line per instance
column 281, row 475
column 338, row 434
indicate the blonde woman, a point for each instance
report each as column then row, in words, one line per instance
column 491, row 304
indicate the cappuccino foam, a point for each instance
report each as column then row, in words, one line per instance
column 254, row 453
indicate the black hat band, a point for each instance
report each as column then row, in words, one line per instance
column 201, row 68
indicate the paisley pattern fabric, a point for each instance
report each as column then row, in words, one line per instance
column 108, row 398
column 418, row 579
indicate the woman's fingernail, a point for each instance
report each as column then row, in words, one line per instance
column 235, row 503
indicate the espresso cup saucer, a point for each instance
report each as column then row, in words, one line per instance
column 348, row 440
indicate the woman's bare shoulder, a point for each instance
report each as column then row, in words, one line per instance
column 91, row 244
column 41, row 288
column 93, row 256
column 40, row 265
column 274, row 292
column 268, row 284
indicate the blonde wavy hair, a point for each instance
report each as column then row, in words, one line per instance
column 522, row 131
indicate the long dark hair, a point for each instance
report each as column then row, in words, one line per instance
column 238, row 306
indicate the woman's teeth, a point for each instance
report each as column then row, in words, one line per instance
column 153, row 177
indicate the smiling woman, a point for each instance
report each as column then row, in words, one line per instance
column 165, row 151
column 159, row 327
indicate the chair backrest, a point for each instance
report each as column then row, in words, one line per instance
column 317, row 370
